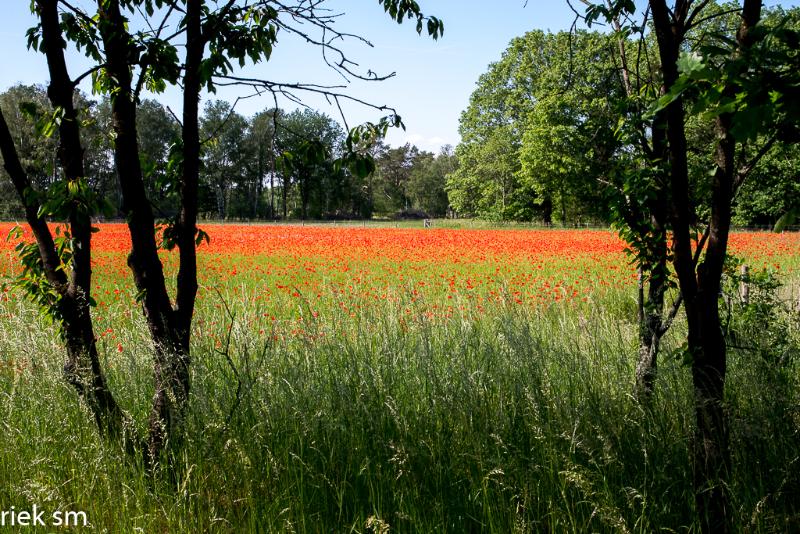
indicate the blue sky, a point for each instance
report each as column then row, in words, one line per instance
column 433, row 79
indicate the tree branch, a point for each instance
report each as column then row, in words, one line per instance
column 19, row 178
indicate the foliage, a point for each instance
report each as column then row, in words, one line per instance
column 758, row 319
column 537, row 129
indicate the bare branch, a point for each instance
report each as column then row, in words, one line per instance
column 228, row 116
column 673, row 312
column 287, row 90
column 695, row 12
column 177, row 120
column 699, row 22
column 80, row 13
column 745, row 170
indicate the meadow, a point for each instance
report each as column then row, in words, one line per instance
column 404, row 380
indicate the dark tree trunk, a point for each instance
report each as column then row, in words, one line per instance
column 651, row 314
column 272, row 189
column 304, row 197
column 172, row 378
column 651, row 322
column 700, row 288
column 710, row 444
column 170, row 347
column 547, row 210
column 82, row 367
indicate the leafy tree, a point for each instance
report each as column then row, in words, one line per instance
column 393, row 174
column 262, row 141
column 487, row 183
column 37, row 152
column 568, row 134
column 27, row 110
column 747, row 87
column 309, row 142
column 528, row 131
column 428, row 180
column 29, row 114
column 225, row 154
column 771, row 195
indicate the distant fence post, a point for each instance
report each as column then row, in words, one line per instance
column 744, row 285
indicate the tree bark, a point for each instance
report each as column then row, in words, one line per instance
column 170, row 345
column 285, row 192
column 700, row 288
column 651, row 320
column 82, row 368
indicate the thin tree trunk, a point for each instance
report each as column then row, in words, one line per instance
column 272, row 190
column 304, row 197
column 82, row 367
column 651, row 321
column 220, row 194
column 285, row 191
column 700, row 288
column 172, row 376
column 259, row 182
column 650, row 333
column 145, row 264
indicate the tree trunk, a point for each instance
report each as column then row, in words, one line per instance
column 220, row 194
column 651, row 326
column 304, row 197
column 285, row 191
column 272, row 191
column 172, row 376
column 82, row 367
column 162, row 321
column 259, row 183
column 547, row 210
column 651, row 321
column 700, row 288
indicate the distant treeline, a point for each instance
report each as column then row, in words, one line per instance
column 247, row 169
column 540, row 141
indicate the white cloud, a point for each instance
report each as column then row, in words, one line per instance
column 431, row 144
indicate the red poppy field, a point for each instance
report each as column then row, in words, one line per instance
column 283, row 276
column 440, row 270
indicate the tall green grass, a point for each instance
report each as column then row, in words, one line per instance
column 520, row 420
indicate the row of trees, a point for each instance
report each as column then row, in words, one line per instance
column 538, row 134
column 249, row 165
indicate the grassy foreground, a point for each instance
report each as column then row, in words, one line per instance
column 393, row 419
